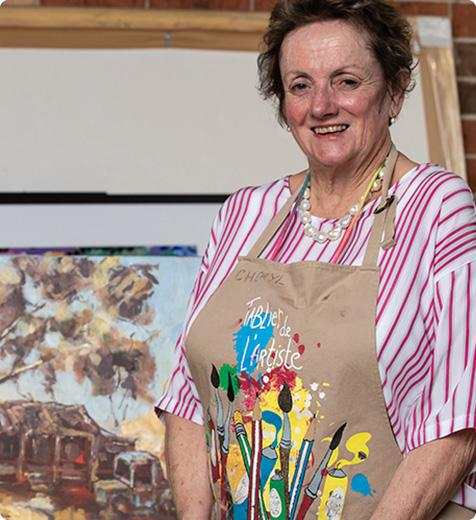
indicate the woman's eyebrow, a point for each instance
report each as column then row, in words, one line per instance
column 296, row 74
column 347, row 68
column 341, row 70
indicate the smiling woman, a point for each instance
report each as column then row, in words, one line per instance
column 361, row 347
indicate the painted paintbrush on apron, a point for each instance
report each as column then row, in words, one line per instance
column 288, row 352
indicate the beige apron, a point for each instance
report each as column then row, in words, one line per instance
column 284, row 360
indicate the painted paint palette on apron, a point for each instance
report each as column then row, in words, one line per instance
column 283, row 357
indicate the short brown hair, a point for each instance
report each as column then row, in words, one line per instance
column 390, row 39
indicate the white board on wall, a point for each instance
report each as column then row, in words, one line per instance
column 148, row 121
column 102, row 225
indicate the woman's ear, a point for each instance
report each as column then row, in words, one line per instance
column 397, row 96
column 283, row 121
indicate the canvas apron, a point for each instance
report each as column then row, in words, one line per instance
column 284, row 360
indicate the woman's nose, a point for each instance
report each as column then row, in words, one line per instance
column 323, row 103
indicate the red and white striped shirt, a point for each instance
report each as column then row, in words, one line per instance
column 425, row 321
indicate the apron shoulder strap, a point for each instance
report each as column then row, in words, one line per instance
column 276, row 222
column 384, row 220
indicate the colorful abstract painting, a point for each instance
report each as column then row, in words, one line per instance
column 85, row 349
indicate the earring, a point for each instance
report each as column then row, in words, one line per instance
column 392, row 120
column 288, row 128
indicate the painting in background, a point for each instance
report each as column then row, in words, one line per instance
column 85, row 349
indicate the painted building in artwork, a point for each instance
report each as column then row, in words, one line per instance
column 54, row 448
column 51, row 444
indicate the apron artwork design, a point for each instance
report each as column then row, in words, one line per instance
column 283, row 357
column 261, row 453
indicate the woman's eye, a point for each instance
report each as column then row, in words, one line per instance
column 298, row 87
column 350, row 82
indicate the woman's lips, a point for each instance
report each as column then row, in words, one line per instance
column 329, row 129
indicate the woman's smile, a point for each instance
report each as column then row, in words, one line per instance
column 329, row 130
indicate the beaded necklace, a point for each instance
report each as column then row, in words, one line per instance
column 343, row 223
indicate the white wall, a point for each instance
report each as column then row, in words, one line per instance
column 147, row 121
column 140, row 121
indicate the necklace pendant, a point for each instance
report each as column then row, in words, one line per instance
column 345, row 220
column 335, row 233
column 321, row 238
column 309, row 230
column 377, row 185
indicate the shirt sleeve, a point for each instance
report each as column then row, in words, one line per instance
column 451, row 399
column 448, row 401
column 451, row 388
column 181, row 396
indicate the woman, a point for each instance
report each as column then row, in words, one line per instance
column 327, row 366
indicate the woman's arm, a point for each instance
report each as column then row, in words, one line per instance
column 428, row 477
column 187, row 468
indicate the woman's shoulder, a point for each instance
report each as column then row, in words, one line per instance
column 262, row 190
column 434, row 187
column 436, row 212
column 245, row 213
column 429, row 171
column 260, row 199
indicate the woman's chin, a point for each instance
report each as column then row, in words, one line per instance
column 330, row 160
column 331, row 153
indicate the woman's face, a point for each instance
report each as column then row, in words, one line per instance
column 335, row 97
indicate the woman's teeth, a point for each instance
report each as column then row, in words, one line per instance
column 329, row 129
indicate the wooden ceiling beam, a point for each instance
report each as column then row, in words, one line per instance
column 51, row 27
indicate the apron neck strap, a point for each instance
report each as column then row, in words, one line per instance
column 382, row 212
column 276, row 222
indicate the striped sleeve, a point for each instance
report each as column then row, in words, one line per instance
column 447, row 403
column 181, row 396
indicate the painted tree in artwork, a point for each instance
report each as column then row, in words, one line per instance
column 80, row 316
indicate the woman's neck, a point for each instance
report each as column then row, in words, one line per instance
column 403, row 166
column 334, row 191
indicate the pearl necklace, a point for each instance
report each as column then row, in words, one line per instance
column 344, row 222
